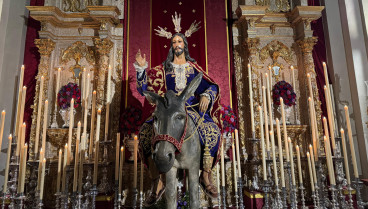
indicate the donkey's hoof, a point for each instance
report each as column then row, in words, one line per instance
column 153, row 197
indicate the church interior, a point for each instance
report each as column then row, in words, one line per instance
column 282, row 91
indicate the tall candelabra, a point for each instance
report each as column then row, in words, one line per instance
column 266, row 187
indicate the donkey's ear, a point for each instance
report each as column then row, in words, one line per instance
column 192, row 87
column 151, row 96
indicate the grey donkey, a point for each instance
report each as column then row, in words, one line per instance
column 171, row 119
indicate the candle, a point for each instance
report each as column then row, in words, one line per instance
column 121, row 168
column 19, row 103
column 80, row 175
column 108, row 85
column 310, row 172
column 222, row 166
column 352, row 149
column 330, row 123
column 2, row 127
column 42, row 177
column 39, row 169
column 251, row 99
column 21, row 114
column 262, row 143
column 312, row 126
column 328, row 97
column 57, row 84
column 284, row 128
column 141, row 180
column 218, row 177
column 135, row 161
column 347, row 173
column 79, row 125
column 270, row 81
column 84, row 83
column 107, row 121
column 45, row 115
column 281, row 159
column 59, row 172
column 237, row 152
column 6, row 175
column 22, row 154
column 292, row 76
column 117, row 157
column 313, row 164
column 65, row 164
column 97, row 146
column 299, row 165
column 266, row 119
column 88, row 80
column 331, row 172
column 234, row 168
column 92, row 123
column 76, row 159
column 25, row 152
column 71, row 124
column 83, row 146
column 274, row 159
column 269, row 103
column 38, row 123
column 291, row 161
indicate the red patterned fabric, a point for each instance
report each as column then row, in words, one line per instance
column 31, row 61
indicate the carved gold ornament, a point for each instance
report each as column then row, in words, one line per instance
column 276, row 49
column 45, row 46
column 76, row 52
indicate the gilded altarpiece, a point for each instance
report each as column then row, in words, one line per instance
column 272, row 39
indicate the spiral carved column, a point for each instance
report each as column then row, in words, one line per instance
column 45, row 47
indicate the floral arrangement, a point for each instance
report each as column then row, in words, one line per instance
column 66, row 93
column 131, row 120
column 285, row 90
column 228, row 119
column 183, row 203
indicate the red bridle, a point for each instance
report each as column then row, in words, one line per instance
column 172, row 140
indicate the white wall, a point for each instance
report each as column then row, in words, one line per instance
column 12, row 39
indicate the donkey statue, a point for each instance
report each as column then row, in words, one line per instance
column 176, row 144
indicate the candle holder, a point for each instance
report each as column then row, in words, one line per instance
column 40, row 204
column 219, row 200
column 79, row 204
column 301, row 188
column 316, row 194
column 4, row 200
column 141, row 199
column 254, row 162
column 21, row 198
column 293, row 197
column 278, row 201
column 94, row 193
column 236, row 199
column 240, row 192
column 322, row 171
column 57, row 200
column 358, row 185
column 334, row 202
column 116, row 189
column 314, row 200
column 223, row 190
column 104, row 186
column 284, row 198
column 105, row 144
column 350, row 201
column 266, row 187
column 135, row 196
column 54, row 121
column 87, row 187
column 118, row 202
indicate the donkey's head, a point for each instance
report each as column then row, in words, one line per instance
column 169, row 123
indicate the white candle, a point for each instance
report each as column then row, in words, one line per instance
column 310, row 172
column 24, row 167
column 108, row 95
column 291, row 161
column 312, row 126
column 222, row 166
column 64, row 168
column 330, row 119
column 284, row 128
column 234, row 168
column 218, row 177
column 92, row 123
column 88, row 80
column 299, row 165
column 97, row 146
column 80, row 174
column 71, row 124
column 269, row 103
column 45, row 115
column 293, row 76
column 57, row 82
column 2, row 127
column 38, row 123
column 270, row 81
column 331, row 171
column 262, row 144
column 59, row 172
column 21, row 114
column 18, row 119
column 42, row 177
column 141, row 180
column 347, row 173
column 121, row 169
column 237, row 152
column 313, row 116
column 6, row 175
column 352, row 149
column 117, row 152
column 135, row 161
column 84, row 83
column 251, row 99
column 281, row 158
column 266, row 119
column 328, row 97
column 76, row 161
column 85, row 122
column 274, row 159
column 39, row 169
column 313, row 164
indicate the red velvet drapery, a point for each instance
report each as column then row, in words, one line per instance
column 31, row 61
column 319, row 56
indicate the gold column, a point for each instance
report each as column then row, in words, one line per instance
column 306, row 45
column 103, row 47
column 45, row 47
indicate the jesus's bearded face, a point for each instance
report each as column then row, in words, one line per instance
column 178, row 45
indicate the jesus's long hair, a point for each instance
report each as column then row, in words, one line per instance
column 170, row 57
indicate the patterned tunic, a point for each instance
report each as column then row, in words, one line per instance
column 176, row 81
